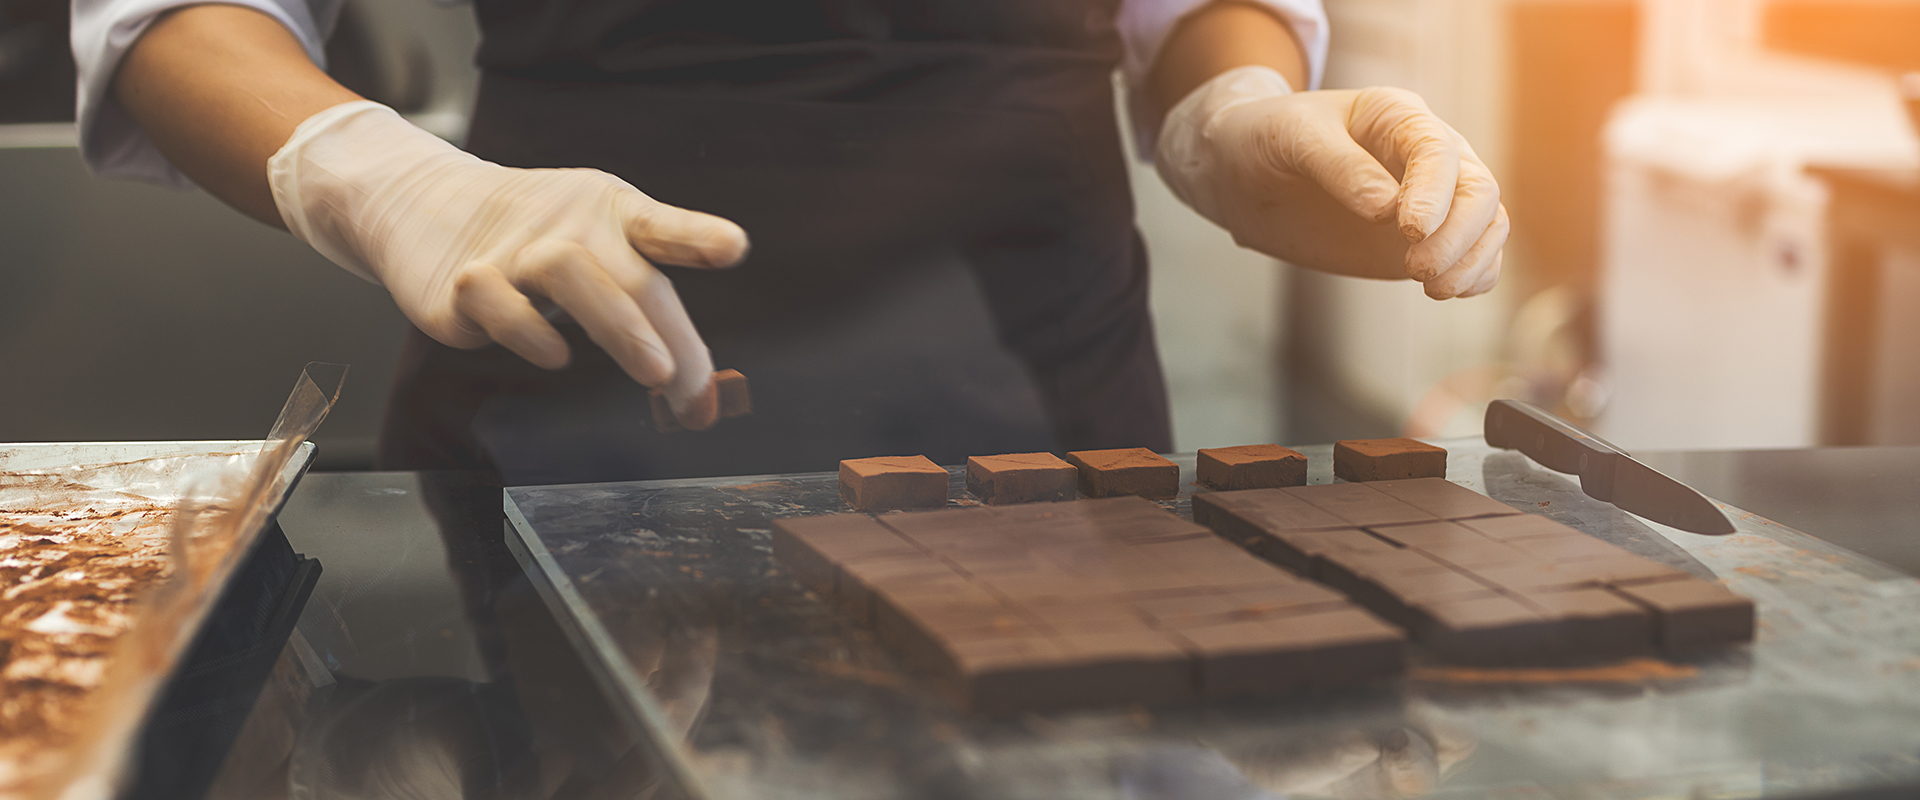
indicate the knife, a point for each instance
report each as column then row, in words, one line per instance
column 1606, row 472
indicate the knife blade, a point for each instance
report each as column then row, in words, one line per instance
column 1606, row 472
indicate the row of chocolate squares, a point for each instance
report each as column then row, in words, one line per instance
column 886, row 483
column 1215, row 621
column 1492, row 585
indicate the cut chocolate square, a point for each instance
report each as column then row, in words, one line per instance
column 1021, row 478
column 885, row 483
column 1253, row 466
column 1690, row 613
column 1557, row 549
column 1387, row 459
column 813, row 548
column 1136, row 471
column 1360, row 506
column 1443, row 498
column 1472, row 555
column 731, row 387
column 1123, row 667
column 1519, row 526
column 1598, row 624
column 1430, row 534
column 1300, row 552
column 1486, row 630
column 1250, row 515
column 1336, row 648
column 730, row 391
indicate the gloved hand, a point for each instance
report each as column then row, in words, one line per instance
column 466, row 246
column 1309, row 178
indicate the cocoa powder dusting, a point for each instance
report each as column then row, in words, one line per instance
column 70, row 573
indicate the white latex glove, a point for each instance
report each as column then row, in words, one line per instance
column 1308, row 178
column 466, row 246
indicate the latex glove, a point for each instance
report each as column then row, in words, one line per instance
column 466, row 247
column 1309, row 178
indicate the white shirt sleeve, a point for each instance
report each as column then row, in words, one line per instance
column 1145, row 25
column 103, row 31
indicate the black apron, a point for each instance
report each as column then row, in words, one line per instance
column 944, row 260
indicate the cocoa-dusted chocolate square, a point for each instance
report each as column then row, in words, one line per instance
column 730, row 390
column 1598, row 623
column 1690, row 613
column 885, row 483
column 1387, row 459
column 1443, row 498
column 1252, row 466
column 1135, row 470
column 1021, row 478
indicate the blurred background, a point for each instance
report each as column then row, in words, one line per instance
column 1716, row 208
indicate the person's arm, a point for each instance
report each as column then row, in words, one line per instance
column 466, row 247
column 219, row 88
column 1217, row 38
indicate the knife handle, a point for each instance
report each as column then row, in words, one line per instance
column 1557, row 445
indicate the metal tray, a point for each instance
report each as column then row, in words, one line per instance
column 112, row 753
column 743, row 686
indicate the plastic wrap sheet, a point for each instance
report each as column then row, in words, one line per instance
column 106, row 572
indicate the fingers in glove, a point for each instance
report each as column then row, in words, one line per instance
column 1396, row 125
column 690, row 393
column 484, row 297
column 1340, row 166
column 1471, row 271
column 1475, row 210
column 568, row 274
column 669, row 235
column 1491, row 279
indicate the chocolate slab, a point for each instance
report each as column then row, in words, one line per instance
column 1387, row 459
column 1497, row 588
column 1690, row 614
column 1021, row 478
column 1253, row 466
column 1596, row 623
column 1060, row 605
column 1360, row 506
column 1443, row 498
column 1135, row 471
column 730, row 390
column 892, row 482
